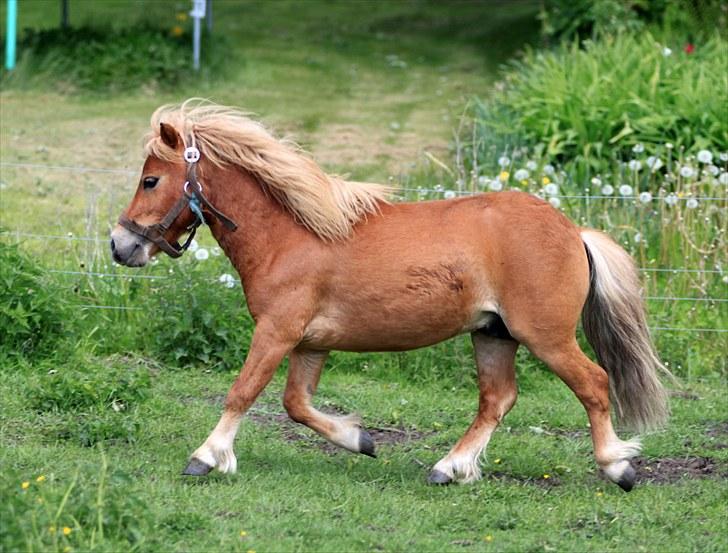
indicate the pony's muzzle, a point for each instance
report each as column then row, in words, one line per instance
column 128, row 249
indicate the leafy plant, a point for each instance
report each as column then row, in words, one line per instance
column 33, row 309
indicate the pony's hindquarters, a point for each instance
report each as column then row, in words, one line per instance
column 615, row 325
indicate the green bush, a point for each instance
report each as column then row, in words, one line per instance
column 198, row 320
column 34, row 314
column 612, row 94
column 110, row 60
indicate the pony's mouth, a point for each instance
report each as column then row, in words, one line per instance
column 127, row 250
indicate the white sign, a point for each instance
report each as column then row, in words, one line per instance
column 198, row 9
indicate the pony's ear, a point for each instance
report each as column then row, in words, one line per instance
column 169, row 135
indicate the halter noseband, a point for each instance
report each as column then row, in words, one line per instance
column 193, row 198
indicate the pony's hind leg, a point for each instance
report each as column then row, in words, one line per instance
column 495, row 356
column 590, row 383
column 303, row 377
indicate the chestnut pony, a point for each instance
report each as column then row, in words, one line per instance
column 328, row 264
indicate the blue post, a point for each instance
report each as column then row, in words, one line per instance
column 10, row 34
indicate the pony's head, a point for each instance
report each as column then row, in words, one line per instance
column 161, row 188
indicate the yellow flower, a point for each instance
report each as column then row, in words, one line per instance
column 67, row 531
column 600, row 494
column 41, row 478
column 546, row 476
column 497, row 461
column 67, row 549
column 25, row 485
column 51, row 529
column 243, row 533
column 177, row 30
column 488, row 538
column 251, row 550
column 545, row 180
column 182, row 16
column 504, row 176
column 524, row 182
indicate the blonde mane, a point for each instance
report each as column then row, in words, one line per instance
column 327, row 205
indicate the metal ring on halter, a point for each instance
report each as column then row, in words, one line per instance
column 187, row 183
column 192, row 154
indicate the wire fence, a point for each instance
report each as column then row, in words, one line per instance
column 399, row 191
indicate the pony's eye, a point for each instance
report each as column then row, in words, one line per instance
column 150, row 182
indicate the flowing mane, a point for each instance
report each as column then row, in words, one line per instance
column 325, row 204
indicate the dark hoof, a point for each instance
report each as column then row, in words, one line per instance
column 438, row 478
column 626, row 482
column 196, row 468
column 366, row 444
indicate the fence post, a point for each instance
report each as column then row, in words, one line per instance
column 11, row 29
column 197, row 13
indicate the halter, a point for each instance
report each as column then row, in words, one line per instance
column 193, row 198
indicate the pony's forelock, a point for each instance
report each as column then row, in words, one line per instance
column 327, row 205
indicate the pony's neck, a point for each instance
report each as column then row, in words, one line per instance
column 265, row 228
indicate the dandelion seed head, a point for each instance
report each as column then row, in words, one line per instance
column 607, row 190
column 634, row 165
column 671, row 199
column 551, row 189
column 483, row 180
column 504, row 161
column 449, row 194
column 496, row 185
column 638, row 148
column 548, row 169
column 687, row 172
column 713, row 170
column 637, row 238
column 705, row 156
column 625, row 190
column 555, row 202
column 723, row 156
column 596, row 181
column 194, row 246
column 531, row 165
column 692, row 203
column 227, row 280
column 645, row 197
column 202, row 254
column 521, row 175
column 723, row 178
column 216, row 251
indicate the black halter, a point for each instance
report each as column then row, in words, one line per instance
column 192, row 198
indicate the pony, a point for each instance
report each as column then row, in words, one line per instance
column 327, row 264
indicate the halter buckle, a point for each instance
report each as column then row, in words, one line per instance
column 192, row 154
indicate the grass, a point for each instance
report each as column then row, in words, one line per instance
column 110, row 417
column 290, row 493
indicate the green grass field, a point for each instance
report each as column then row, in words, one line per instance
column 100, row 430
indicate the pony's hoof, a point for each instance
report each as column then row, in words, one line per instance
column 366, row 444
column 438, row 478
column 626, row 481
column 196, row 468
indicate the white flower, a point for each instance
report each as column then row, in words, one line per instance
column 692, row 203
column 531, row 165
column 704, row 156
column 638, row 237
column 504, row 161
column 666, row 52
column 634, row 165
column 548, row 169
column 227, row 280
column 723, row 178
column 607, row 190
column 671, row 199
column 495, row 185
column 638, row 148
column 723, row 156
column 625, row 190
column 596, row 181
column 449, row 194
column 555, row 202
column 654, row 163
column 216, row 251
column 687, row 171
column 645, row 197
column 193, row 246
column 394, row 125
column 202, row 254
column 483, row 180
column 713, row 170
column 669, row 146
column 521, row 174
column 551, row 189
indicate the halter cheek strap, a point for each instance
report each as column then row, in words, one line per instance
column 192, row 198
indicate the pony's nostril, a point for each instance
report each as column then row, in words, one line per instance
column 113, row 245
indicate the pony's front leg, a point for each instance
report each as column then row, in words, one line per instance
column 304, row 370
column 267, row 349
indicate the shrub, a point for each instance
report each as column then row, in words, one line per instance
column 110, row 59
column 613, row 94
column 198, row 319
column 33, row 312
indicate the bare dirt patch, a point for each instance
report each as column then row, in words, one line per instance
column 294, row 432
column 669, row 470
